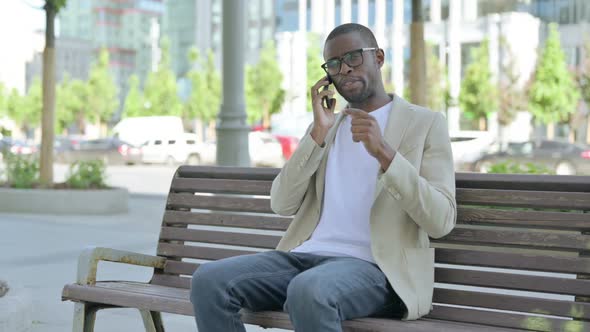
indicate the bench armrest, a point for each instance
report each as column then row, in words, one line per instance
column 89, row 258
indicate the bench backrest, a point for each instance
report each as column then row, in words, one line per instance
column 519, row 256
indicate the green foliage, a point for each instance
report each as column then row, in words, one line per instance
column 205, row 97
column 87, row 175
column 56, row 4
column 514, row 168
column 161, row 92
column 102, row 99
column 314, row 65
column 264, row 94
column 21, row 171
column 437, row 94
column 71, row 103
column 553, row 95
column 26, row 110
column 134, row 104
column 511, row 96
column 478, row 95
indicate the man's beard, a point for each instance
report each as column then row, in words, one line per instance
column 357, row 97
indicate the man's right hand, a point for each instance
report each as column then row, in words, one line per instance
column 323, row 118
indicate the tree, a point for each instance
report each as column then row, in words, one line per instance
column 553, row 95
column 72, row 103
column 134, row 103
column 583, row 78
column 314, row 65
column 264, row 94
column 437, row 89
column 161, row 92
column 478, row 95
column 511, row 95
column 26, row 110
column 205, row 96
column 52, row 7
column 103, row 100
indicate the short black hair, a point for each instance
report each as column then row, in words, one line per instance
column 365, row 33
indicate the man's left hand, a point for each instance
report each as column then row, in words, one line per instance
column 365, row 128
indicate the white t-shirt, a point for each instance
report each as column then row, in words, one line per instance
column 351, row 177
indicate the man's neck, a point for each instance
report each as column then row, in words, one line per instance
column 373, row 103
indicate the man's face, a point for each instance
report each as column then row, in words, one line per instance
column 358, row 83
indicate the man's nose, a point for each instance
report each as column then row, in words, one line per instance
column 344, row 68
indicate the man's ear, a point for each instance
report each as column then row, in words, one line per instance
column 380, row 56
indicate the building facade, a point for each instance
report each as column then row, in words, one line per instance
column 128, row 29
column 197, row 23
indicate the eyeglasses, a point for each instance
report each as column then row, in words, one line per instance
column 352, row 59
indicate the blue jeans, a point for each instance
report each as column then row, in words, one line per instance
column 318, row 292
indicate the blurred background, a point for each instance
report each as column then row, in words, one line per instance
column 138, row 91
column 138, row 82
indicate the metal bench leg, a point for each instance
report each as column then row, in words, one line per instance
column 84, row 317
column 152, row 320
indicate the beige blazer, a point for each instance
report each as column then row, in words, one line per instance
column 414, row 199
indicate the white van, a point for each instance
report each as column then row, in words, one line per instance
column 176, row 149
column 138, row 130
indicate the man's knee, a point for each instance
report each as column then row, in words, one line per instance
column 206, row 282
column 307, row 294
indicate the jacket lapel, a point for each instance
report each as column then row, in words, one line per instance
column 399, row 119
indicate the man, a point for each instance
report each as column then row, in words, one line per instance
column 367, row 186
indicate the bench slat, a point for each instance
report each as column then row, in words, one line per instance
column 527, row 199
column 225, row 172
column 532, row 262
column 230, row 238
column 512, row 303
column 508, row 320
column 517, row 238
column 171, row 280
column 221, row 186
column 511, row 281
column 225, row 203
column 262, row 222
column 198, row 252
column 525, row 219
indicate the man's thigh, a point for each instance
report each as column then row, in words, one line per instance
column 258, row 281
column 356, row 287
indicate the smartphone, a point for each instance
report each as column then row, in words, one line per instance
column 327, row 101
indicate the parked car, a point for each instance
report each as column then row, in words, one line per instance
column 563, row 158
column 175, row 149
column 111, row 150
column 63, row 147
column 22, row 148
column 264, row 149
column 289, row 145
column 468, row 147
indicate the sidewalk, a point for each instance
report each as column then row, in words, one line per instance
column 40, row 253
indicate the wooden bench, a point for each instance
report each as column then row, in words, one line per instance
column 518, row 259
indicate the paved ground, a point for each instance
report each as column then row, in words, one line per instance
column 40, row 253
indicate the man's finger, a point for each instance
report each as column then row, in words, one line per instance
column 318, row 85
column 356, row 113
column 361, row 122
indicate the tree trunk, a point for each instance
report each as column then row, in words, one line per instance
column 482, row 124
column 48, row 116
column 551, row 130
column 417, row 57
